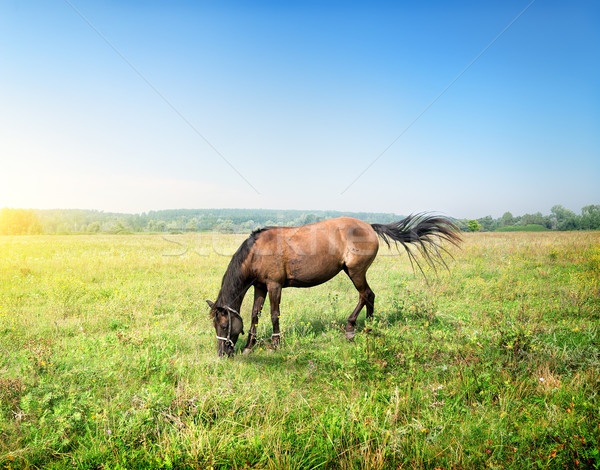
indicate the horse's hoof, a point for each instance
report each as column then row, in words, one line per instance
column 246, row 351
column 350, row 335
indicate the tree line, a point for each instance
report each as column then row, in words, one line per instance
column 560, row 219
column 66, row 221
column 30, row 222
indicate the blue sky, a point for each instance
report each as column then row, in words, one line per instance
column 132, row 106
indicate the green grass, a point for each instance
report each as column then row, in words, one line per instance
column 108, row 360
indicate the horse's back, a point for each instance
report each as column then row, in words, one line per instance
column 334, row 237
column 311, row 254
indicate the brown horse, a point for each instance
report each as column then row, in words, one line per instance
column 276, row 257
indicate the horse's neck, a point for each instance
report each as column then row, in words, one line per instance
column 235, row 302
column 233, row 297
column 235, row 283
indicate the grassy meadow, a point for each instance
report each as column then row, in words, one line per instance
column 108, row 360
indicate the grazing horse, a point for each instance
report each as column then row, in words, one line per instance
column 276, row 257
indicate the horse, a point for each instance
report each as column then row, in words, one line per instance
column 273, row 258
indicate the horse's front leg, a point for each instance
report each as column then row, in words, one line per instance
column 274, row 299
column 260, row 293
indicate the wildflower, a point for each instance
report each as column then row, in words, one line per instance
column 108, row 431
column 542, row 379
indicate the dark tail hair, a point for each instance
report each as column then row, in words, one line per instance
column 424, row 231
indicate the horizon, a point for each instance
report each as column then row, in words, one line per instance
column 463, row 109
column 305, row 211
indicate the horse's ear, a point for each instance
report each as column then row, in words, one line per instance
column 210, row 304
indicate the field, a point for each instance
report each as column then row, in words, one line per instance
column 108, row 360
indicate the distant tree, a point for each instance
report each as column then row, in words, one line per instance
column 487, row 223
column 19, row 222
column 64, row 227
column 119, row 227
column 307, row 219
column 507, row 219
column 94, row 227
column 533, row 219
column 192, row 225
column 225, row 226
column 248, row 226
column 590, row 217
column 174, row 226
column 474, row 226
column 563, row 219
column 206, row 222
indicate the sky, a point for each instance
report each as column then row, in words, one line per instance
column 464, row 108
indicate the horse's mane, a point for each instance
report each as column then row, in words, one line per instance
column 234, row 282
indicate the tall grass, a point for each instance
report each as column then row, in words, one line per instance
column 108, row 360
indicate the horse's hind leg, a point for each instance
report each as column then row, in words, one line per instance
column 366, row 298
column 260, row 293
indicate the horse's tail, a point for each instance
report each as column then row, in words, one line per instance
column 424, row 231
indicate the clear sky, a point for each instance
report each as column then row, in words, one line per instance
column 132, row 106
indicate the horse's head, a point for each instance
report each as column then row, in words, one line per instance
column 228, row 326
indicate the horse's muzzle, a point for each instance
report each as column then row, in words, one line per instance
column 225, row 349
